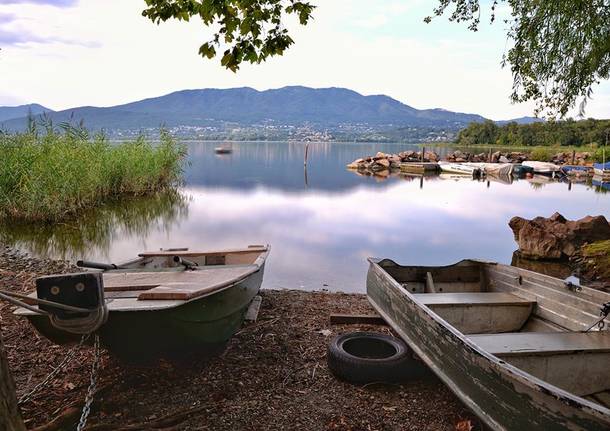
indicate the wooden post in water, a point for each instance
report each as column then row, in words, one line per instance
column 423, row 152
column 573, row 156
column 306, row 154
column 489, row 156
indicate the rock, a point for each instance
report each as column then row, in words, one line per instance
column 503, row 159
column 405, row 155
column 460, row 159
column 380, row 164
column 394, row 158
column 379, row 155
column 431, row 156
column 555, row 237
column 495, row 156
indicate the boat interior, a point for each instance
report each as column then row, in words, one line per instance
column 534, row 322
column 180, row 274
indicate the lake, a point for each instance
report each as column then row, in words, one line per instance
column 322, row 223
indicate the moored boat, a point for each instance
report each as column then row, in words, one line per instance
column 223, row 150
column 602, row 170
column 576, row 170
column 164, row 301
column 459, row 168
column 494, row 169
column 544, row 168
column 521, row 171
column 522, row 350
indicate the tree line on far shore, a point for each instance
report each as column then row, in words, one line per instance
column 551, row 133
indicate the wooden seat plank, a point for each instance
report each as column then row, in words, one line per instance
column 181, row 285
column 479, row 312
column 471, row 298
column 522, row 343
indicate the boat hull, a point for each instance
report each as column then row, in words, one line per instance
column 203, row 324
column 501, row 395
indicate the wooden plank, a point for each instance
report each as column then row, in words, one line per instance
column 547, row 343
column 418, row 167
column 471, row 298
column 253, row 309
column 182, row 285
column 356, row 319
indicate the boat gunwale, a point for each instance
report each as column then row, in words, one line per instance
column 167, row 304
column 506, row 369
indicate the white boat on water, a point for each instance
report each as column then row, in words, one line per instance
column 543, row 167
column 459, row 168
column 494, row 169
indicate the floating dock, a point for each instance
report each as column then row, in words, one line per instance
column 419, row 167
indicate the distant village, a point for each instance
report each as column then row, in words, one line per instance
column 270, row 131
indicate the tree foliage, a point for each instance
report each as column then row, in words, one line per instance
column 250, row 30
column 551, row 133
column 560, row 48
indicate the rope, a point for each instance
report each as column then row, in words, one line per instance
column 604, row 311
column 22, row 304
column 6, row 293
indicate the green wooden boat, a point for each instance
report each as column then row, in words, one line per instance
column 157, row 304
column 522, row 350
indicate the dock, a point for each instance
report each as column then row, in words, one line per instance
column 419, row 167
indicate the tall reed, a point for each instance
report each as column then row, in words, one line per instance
column 56, row 174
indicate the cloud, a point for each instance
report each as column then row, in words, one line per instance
column 7, row 18
column 56, row 3
column 22, row 37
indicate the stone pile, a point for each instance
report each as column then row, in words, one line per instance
column 582, row 158
column 382, row 161
column 497, row 157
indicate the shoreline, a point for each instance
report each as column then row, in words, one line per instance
column 272, row 375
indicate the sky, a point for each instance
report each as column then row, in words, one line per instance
column 67, row 53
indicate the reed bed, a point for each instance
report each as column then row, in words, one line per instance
column 50, row 176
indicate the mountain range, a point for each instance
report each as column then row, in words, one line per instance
column 294, row 106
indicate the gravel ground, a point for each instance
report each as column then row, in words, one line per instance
column 272, row 375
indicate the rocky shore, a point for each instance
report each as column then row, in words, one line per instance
column 382, row 161
column 583, row 245
column 272, row 375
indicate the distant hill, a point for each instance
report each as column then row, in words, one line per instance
column 10, row 112
column 520, row 120
column 246, row 106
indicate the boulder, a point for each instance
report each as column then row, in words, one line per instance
column 381, row 164
column 503, row 159
column 555, row 237
column 431, row 156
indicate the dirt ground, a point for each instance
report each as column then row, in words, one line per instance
column 272, row 375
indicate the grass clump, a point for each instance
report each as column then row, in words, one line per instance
column 597, row 258
column 47, row 177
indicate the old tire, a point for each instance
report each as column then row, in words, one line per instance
column 368, row 357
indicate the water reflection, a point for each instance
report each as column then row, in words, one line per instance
column 322, row 223
column 96, row 232
column 560, row 269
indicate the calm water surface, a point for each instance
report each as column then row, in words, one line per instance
column 322, row 224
